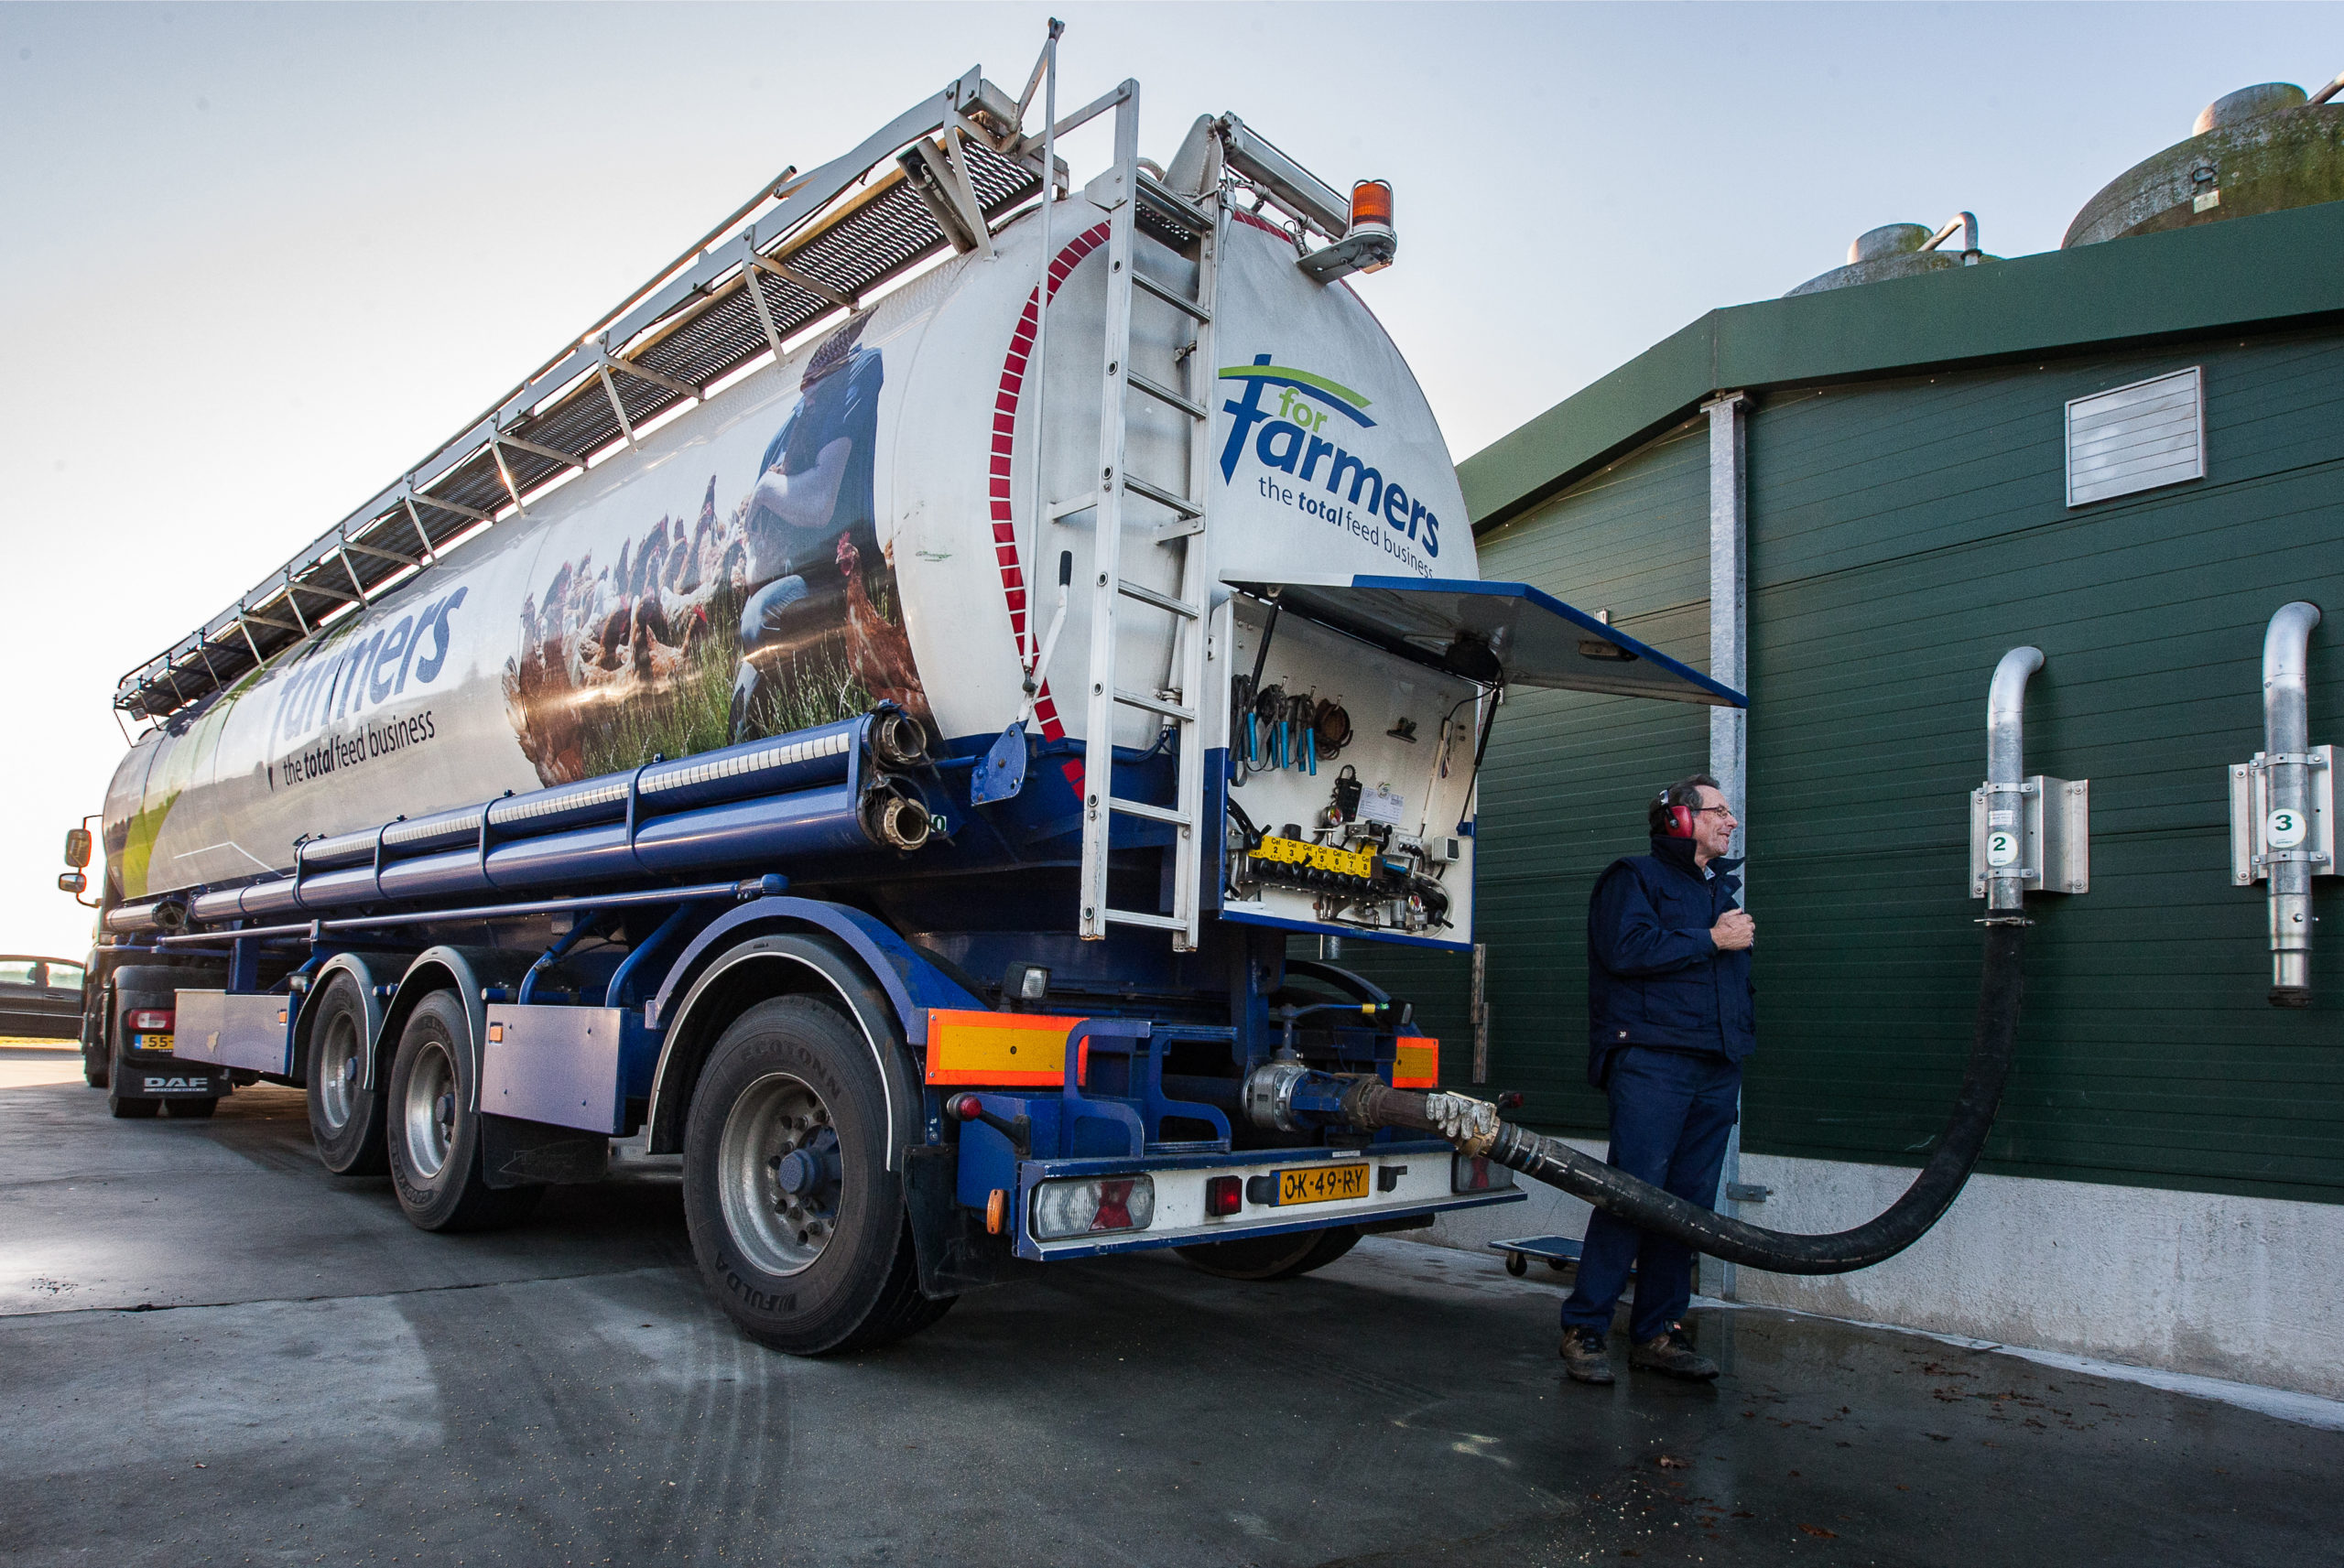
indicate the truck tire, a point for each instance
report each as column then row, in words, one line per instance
column 191, row 1109
column 433, row 1136
column 799, row 1227
column 95, row 1067
column 126, row 1108
column 346, row 1121
column 1281, row 1257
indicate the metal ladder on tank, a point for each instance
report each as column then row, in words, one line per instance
column 1181, row 701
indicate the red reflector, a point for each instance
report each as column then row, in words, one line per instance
column 1224, row 1195
column 150, row 1018
column 1114, row 1207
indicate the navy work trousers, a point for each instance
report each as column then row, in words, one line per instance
column 1671, row 1114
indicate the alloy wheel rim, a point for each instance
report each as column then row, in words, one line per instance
column 779, row 1175
column 337, row 1071
column 428, row 1110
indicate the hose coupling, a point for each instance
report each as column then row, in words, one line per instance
column 1471, row 1124
column 1292, row 1098
column 1269, row 1094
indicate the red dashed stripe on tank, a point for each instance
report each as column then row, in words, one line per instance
column 1004, row 438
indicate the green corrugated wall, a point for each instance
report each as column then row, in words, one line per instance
column 1903, row 534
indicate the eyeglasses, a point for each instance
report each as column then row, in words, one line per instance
column 1699, row 810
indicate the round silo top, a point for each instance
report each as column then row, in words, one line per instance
column 2261, row 149
column 1891, row 251
column 1888, row 239
column 2249, row 104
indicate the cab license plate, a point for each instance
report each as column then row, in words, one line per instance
column 1323, row 1183
column 155, row 1042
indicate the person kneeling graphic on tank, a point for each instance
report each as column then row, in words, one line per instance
column 811, row 506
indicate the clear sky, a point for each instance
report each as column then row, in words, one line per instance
column 254, row 261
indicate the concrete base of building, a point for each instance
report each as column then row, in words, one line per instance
column 2198, row 1282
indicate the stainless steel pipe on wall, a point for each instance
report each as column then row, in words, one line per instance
column 2286, row 747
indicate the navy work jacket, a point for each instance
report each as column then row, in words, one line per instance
column 1653, row 978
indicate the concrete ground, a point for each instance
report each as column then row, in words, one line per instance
column 213, row 1352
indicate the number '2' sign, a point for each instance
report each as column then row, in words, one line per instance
column 2001, row 848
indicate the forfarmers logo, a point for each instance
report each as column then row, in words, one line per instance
column 1292, row 439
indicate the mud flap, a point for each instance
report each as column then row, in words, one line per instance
column 167, row 1082
column 955, row 1254
column 516, row 1153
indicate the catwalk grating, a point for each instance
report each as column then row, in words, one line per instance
column 849, row 227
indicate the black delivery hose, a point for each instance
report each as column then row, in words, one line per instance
column 1647, row 1207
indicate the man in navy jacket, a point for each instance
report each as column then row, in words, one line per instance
column 1671, row 1015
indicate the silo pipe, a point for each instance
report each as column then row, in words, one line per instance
column 2006, row 765
column 1474, row 1127
column 2286, row 747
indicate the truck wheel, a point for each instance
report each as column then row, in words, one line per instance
column 434, row 1134
column 345, row 1118
column 801, row 1229
column 1272, row 1257
column 93, row 1068
column 191, row 1109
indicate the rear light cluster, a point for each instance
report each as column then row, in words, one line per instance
column 151, row 1020
column 1093, row 1205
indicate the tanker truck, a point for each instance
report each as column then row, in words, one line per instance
column 873, row 717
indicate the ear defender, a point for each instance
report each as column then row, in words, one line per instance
column 1680, row 818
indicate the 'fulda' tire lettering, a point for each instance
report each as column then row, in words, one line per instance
column 859, row 1286
column 433, row 1132
column 346, row 1118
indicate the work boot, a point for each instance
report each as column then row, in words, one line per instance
column 1672, row 1355
column 1584, row 1358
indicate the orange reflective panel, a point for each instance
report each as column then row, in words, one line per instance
column 1417, row 1064
column 1003, row 1050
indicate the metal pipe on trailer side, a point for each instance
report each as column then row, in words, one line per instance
column 802, row 794
column 770, row 885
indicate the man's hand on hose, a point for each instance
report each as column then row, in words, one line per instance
column 1734, row 931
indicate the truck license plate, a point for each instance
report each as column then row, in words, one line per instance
column 157, row 1042
column 1323, row 1183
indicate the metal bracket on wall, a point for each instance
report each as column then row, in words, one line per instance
column 2038, row 830
column 2263, row 837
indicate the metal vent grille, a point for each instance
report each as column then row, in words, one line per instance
column 2136, row 438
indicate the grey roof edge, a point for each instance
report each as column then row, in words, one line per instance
column 2272, row 268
